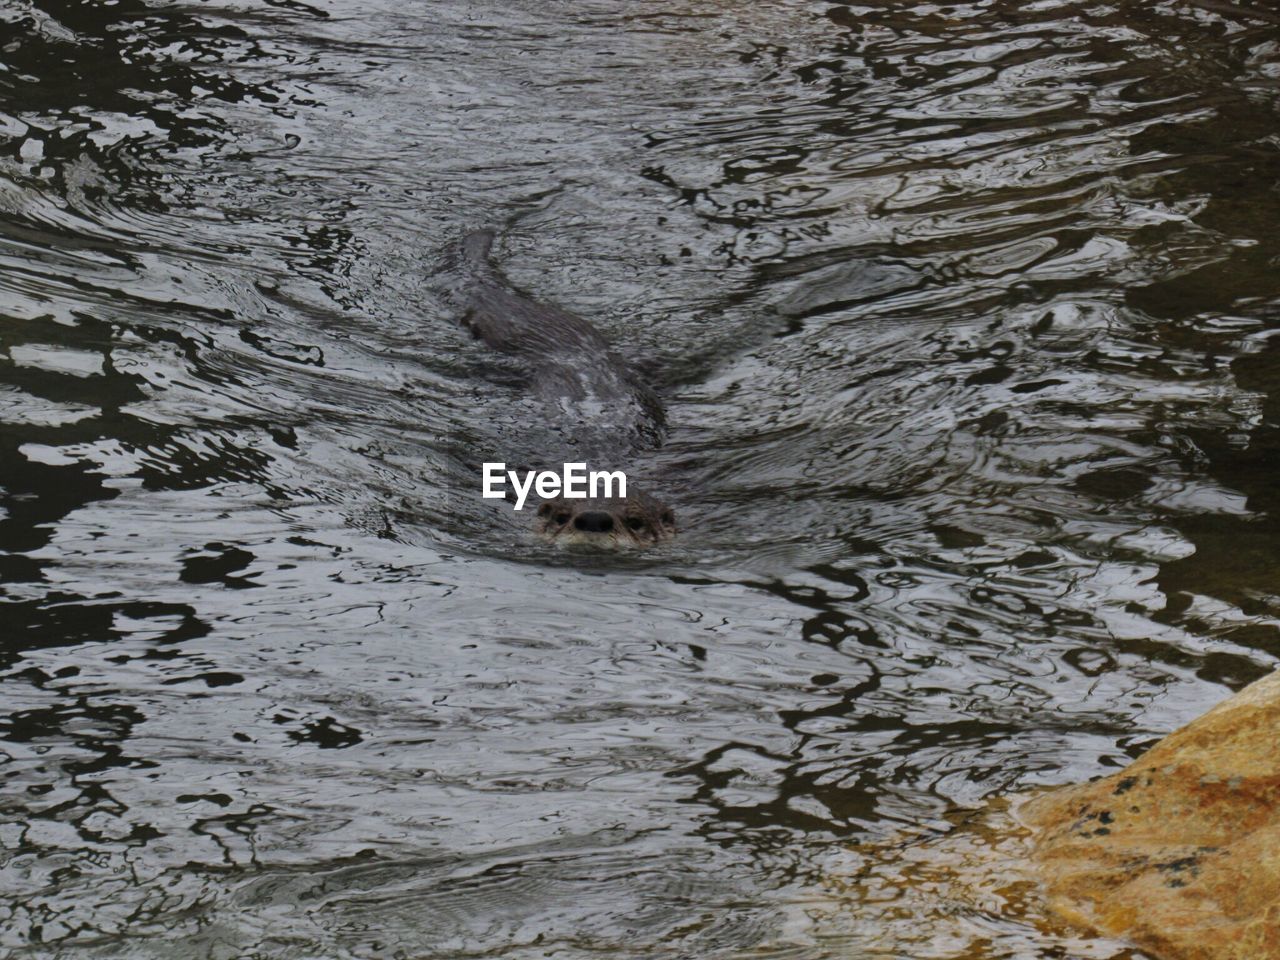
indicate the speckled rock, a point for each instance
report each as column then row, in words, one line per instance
column 1179, row 853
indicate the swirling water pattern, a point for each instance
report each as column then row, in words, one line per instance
column 964, row 315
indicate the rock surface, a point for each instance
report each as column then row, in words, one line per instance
column 1179, row 853
column 961, row 889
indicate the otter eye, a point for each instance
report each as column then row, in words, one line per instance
column 635, row 523
column 562, row 517
column 668, row 517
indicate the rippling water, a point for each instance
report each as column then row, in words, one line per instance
column 964, row 318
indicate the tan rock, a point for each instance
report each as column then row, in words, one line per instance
column 966, row 890
column 1178, row 853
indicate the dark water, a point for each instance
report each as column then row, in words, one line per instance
column 965, row 316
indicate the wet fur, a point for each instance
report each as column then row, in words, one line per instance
column 597, row 402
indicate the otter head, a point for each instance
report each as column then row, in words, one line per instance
column 634, row 520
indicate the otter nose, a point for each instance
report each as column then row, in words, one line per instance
column 593, row 521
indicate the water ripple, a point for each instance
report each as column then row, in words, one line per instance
column 963, row 315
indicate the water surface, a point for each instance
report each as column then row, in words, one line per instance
column 964, row 316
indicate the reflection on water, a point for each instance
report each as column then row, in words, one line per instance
column 963, row 315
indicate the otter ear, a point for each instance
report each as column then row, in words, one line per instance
column 668, row 517
column 544, row 509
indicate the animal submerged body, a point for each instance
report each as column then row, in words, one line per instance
column 589, row 404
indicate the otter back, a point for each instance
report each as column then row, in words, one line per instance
column 591, row 400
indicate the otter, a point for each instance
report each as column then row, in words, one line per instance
column 590, row 404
